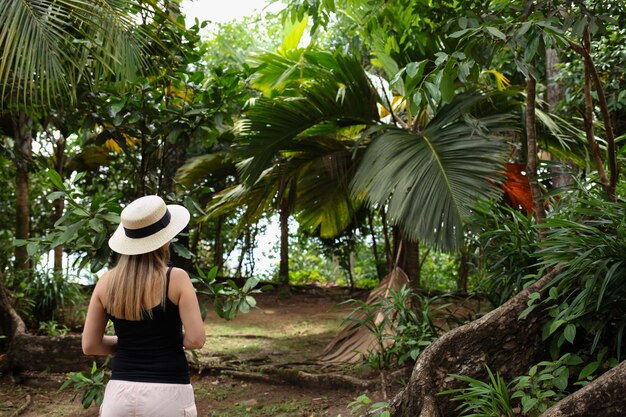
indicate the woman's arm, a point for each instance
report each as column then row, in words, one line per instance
column 94, row 341
column 189, row 309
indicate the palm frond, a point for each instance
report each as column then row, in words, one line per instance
column 430, row 179
column 199, row 168
column 342, row 98
column 323, row 202
column 48, row 46
column 274, row 72
column 254, row 201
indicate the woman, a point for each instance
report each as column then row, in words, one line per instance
column 150, row 305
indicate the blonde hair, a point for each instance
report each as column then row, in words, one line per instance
column 134, row 283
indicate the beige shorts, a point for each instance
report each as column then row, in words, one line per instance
column 143, row 399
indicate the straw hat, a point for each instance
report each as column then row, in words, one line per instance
column 147, row 224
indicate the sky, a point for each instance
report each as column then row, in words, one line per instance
column 222, row 11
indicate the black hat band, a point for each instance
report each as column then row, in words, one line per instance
column 151, row 229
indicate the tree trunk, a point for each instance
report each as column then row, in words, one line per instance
column 499, row 340
column 349, row 268
column 380, row 273
column 59, row 203
column 554, row 90
column 463, row 272
column 588, row 124
column 407, row 254
column 531, row 146
column 10, row 322
column 592, row 75
column 23, row 156
column 561, row 177
column 602, row 397
column 283, row 269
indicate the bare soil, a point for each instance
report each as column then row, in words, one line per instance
column 282, row 334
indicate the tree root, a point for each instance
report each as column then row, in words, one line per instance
column 601, row 397
column 32, row 353
column 274, row 375
column 22, row 408
column 498, row 340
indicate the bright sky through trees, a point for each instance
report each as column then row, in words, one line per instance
column 222, row 11
column 217, row 11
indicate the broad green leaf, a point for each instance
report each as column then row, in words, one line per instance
column 555, row 325
column 32, row 248
column 531, row 49
column 447, row 84
column 561, row 381
column 496, row 32
column 56, row 179
column 293, row 34
column 71, row 231
column 251, row 301
column 588, row 370
column 244, row 307
column 56, row 195
column 528, row 403
column 415, row 71
column 116, row 105
column 570, row 332
column 436, row 173
column 459, row 33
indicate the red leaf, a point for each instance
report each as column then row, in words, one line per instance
column 516, row 188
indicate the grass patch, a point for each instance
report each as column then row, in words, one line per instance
column 278, row 409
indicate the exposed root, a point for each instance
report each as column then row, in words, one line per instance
column 304, row 379
column 601, row 397
column 22, row 408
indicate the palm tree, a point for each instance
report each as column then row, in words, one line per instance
column 50, row 50
column 426, row 175
column 308, row 182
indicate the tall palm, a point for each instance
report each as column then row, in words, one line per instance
column 50, row 47
column 428, row 178
column 49, row 50
column 305, row 182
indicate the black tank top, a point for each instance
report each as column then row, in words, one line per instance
column 151, row 349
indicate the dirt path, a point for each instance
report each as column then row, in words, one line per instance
column 280, row 333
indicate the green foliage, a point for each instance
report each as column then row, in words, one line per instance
column 228, row 298
column 46, row 295
column 232, row 42
column 608, row 52
column 545, row 384
column 503, row 241
column 84, row 227
column 91, row 384
column 86, row 224
column 454, row 154
column 586, row 242
column 482, row 399
column 52, row 328
column 104, row 42
column 413, row 332
column 401, row 334
column 438, row 271
column 550, row 381
column 364, row 404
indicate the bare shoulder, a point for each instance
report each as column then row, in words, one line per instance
column 178, row 276
column 100, row 289
column 179, row 282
